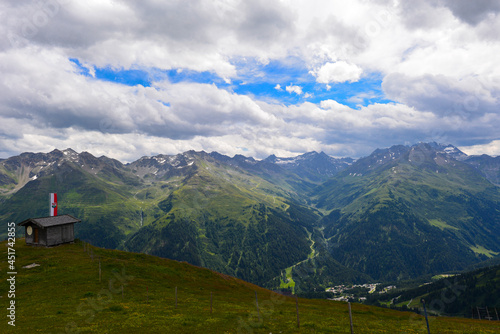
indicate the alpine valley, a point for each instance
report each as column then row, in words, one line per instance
column 306, row 222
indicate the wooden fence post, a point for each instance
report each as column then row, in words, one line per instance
column 257, row 305
column 350, row 317
column 426, row 320
column 297, row 308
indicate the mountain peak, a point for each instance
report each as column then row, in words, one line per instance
column 309, row 154
column 271, row 158
column 312, row 165
column 54, row 153
column 69, row 151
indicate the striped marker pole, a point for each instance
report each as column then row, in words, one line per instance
column 53, row 205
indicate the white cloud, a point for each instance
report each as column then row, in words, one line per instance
column 443, row 95
column 339, row 71
column 362, row 97
column 492, row 148
column 437, row 60
column 294, row 89
column 472, row 12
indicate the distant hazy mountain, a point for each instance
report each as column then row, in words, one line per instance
column 300, row 174
column 316, row 220
column 488, row 166
column 312, row 166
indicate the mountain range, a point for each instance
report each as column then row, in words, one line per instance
column 304, row 222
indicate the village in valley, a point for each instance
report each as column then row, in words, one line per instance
column 356, row 292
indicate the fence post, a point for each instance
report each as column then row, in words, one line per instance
column 257, row 305
column 478, row 313
column 496, row 313
column 426, row 320
column 488, row 313
column 297, row 308
column 175, row 297
column 211, row 298
column 350, row 317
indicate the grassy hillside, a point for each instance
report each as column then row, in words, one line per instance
column 64, row 295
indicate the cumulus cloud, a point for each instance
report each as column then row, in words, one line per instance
column 443, row 95
column 362, row 97
column 436, row 59
column 55, row 96
column 294, row 89
column 339, row 71
column 472, row 12
column 492, row 148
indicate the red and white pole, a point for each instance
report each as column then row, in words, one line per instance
column 53, row 204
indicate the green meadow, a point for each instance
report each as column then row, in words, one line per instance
column 136, row 293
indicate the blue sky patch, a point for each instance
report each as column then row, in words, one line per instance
column 82, row 70
column 185, row 75
column 132, row 77
column 261, row 80
column 267, row 82
column 124, row 77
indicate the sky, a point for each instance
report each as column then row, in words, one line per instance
column 127, row 79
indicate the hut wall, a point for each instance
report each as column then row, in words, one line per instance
column 54, row 235
column 42, row 236
column 60, row 234
column 67, row 233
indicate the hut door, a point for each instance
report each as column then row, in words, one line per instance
column 35, row 236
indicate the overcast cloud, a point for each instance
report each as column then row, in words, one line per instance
column 248, row 77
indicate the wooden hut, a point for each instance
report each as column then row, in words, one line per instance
column 50, row 231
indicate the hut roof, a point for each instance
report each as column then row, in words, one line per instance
column 51, row 221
